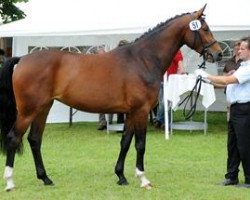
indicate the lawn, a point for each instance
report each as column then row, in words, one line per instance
column 80, row 160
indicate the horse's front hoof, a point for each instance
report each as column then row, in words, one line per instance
column 47, row 181
column 148, row 186
column 9, row 189
column 10, row 186
column 122, row 182
column 49, row 184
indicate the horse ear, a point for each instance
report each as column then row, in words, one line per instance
column 199, row 13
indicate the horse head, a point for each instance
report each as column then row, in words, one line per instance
column 199, row 37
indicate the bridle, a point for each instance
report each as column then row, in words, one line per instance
column 191, row 99
column 205, row 47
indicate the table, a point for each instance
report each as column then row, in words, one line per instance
column 176, row 86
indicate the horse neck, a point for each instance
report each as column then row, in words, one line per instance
column 164, row 45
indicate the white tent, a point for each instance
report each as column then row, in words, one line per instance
column 76, row 17
column 76, row 23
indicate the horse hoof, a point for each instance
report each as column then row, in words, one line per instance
column 47, row 181
column 122, row 182
column 148, row 186
column 49, row 184
column 9, row 189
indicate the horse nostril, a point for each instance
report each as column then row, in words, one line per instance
column 219, row 56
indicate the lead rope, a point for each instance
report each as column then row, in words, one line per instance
column 192, row 98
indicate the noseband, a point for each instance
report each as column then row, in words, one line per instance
column 205, row 47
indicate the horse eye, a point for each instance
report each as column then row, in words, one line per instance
column 206, row 29
column 204, row 24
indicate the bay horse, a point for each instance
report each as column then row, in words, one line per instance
column 124, row 80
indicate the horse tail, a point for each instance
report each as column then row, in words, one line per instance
column 8, row 112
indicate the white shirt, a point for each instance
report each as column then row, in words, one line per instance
column 240, row 92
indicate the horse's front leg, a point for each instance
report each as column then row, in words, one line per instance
column 136, row 123
column 124, row 144
column 140, row 145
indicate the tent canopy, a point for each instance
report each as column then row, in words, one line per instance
column 76, row 17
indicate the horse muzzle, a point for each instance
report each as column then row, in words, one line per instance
column 213, row 56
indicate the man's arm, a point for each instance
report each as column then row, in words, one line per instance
column 223, row 80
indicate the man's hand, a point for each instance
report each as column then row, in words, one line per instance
column 201, row 72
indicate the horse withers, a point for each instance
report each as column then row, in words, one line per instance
column 124, row 80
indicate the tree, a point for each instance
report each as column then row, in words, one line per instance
column 9, row 11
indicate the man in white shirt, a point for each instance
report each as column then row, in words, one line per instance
column 238, row 95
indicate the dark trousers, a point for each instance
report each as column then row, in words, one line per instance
column 120, row 118
column 238, row 144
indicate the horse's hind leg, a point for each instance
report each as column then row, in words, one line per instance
column 35, row 141
column 8, row 172
column 14, row 139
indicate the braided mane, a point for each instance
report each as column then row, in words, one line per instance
column 159, row 27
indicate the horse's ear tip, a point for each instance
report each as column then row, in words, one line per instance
column 200, row 12
column 203, row 8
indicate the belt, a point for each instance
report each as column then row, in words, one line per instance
column 240, row 102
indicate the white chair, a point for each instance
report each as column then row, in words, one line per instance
column 114, row 127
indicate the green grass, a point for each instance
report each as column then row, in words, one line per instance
column 80, row 160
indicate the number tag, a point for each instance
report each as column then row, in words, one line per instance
column 195, row 25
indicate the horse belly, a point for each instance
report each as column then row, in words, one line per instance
column 95, row 99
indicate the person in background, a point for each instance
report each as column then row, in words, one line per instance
column 120, row 116
column 102, row 119
column 238, row 95
column 231, row 65
column 176, row 67
column 2, row 57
